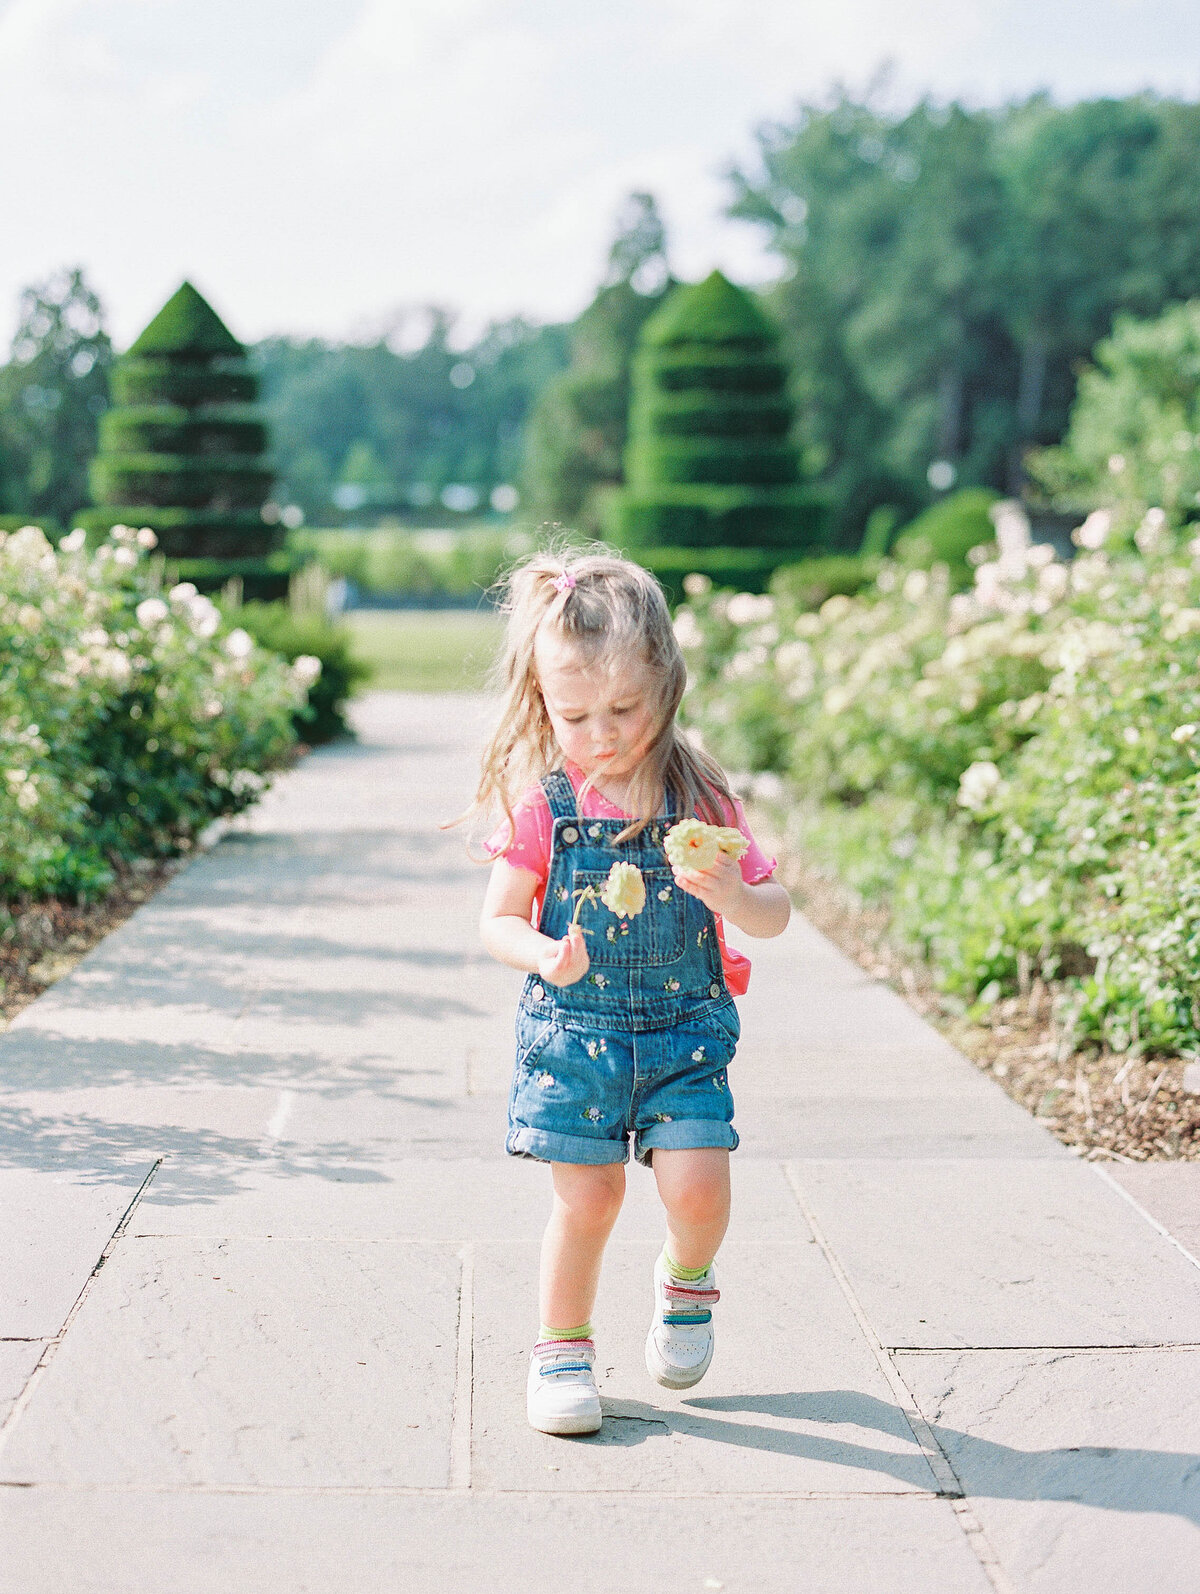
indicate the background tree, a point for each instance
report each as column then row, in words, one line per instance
column 949, row 270
column 576, row 438
column 431, row 416
column 52, row 393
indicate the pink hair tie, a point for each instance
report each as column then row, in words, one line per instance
column 564, row 582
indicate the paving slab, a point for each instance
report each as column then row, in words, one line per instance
column 485, row 1200
column 791, row 1428
column 17, row 1361
column 1170, row 1193
column 1083, row 1467
column 235, row 1362
column 57, row 1221
column 298, row 1543
column 1042, row 1253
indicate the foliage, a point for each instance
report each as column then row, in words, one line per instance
column 393, row 561
column 810, row 582
column 387, row 425
column 949, row 268
column 51, row 395
column 709, row 461
column 947, row 531
column 575, row 444
column 185, row 458
column 1014, row 770
column 129, row 718
column 277, row 628
column 1134, row 436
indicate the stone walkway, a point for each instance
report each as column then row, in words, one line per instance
column 266, row 1276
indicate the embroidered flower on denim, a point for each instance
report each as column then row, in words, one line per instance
column 592, row 1114
column 544, row 1081
column 595, row 1048
column 593, row 831
column 702, row 936
column 663, row 1118
column 598, row 980
column 665, row 894
column 563, row 894
column 670, row 985
column 698, row 1055
column 718, row 1082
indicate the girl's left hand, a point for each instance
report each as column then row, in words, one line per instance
column 719, row 888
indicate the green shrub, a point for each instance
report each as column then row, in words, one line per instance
column 708, row 463
column 129, row 717
column 947, row 531
column 809, row 582
column 182, row 452
column 392, row 561
column 1134, row 437
column 1013, row 771
column 742, row 569
column 44, row 523
column 293, row 636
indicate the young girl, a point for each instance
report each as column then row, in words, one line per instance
column 626, row 1025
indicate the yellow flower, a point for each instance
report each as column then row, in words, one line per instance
column 624, row 892
column 731, row 840
column 692, row 844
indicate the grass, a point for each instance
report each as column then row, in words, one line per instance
column 425, row 650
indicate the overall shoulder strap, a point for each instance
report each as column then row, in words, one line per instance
column 560, row 794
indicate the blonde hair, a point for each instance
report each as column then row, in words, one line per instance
column 609, row 608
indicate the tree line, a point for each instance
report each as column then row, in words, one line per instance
column 948, row 271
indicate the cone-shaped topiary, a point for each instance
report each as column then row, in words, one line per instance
column 182, row 450
column 709, row 463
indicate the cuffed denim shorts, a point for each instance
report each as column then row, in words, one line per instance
column 578, row 1094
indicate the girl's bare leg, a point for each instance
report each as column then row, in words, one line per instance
column 586, row 1202
column 694, row 1188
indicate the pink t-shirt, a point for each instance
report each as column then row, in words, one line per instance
column 533, row 833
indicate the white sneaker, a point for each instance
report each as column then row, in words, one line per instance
column 679, row 1345
column 562, row 1397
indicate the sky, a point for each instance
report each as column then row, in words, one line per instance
column 317, row 167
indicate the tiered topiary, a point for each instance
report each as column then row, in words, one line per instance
column 182, row 450
column 709, row 467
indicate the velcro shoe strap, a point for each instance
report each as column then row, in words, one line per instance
column 552, row 1369
column 686, row 1319
column 559, row 1347
column 689, row 1295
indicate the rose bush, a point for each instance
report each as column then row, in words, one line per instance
column 129, row 718
column 1014, row 771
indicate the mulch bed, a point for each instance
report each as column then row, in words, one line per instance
column 45, row 940
column 1106, row 1107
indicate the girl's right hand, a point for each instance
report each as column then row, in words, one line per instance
column 569, row 960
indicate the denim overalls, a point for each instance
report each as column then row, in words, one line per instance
column 641, row 1044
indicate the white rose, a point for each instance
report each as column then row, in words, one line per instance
column 73, row 541
column 146, row 538
column 29, row 618
column 150, row 611
column 239, row 644
column 977, row 783
column 306, row 669
column 183, row 593
column 1094, row 532
column 745, row 608
column 204, row 617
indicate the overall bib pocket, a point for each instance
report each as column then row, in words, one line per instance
column 650, row 939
